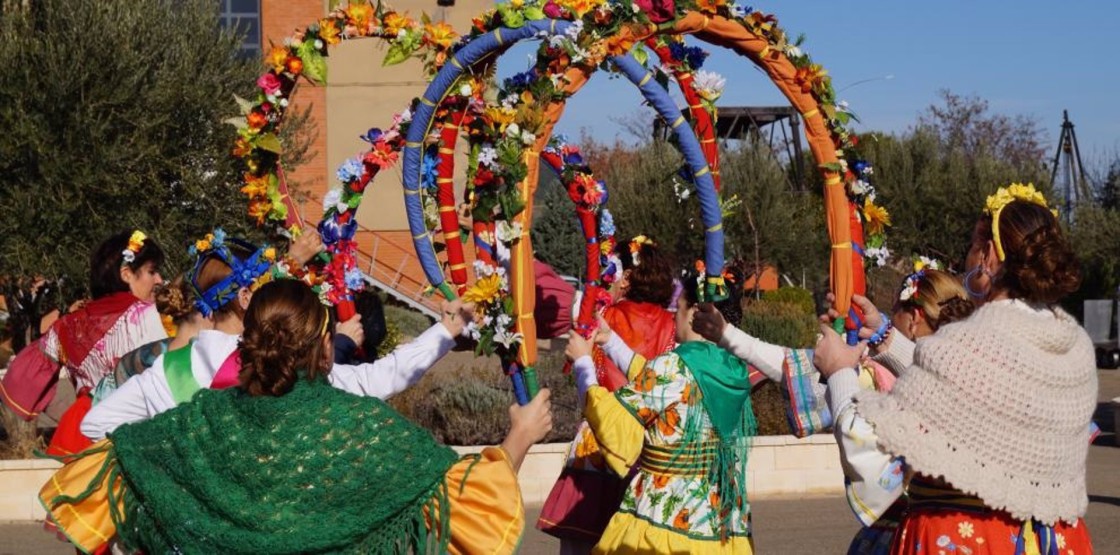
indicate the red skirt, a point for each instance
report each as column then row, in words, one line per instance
column 68, row 439
column 960, row 532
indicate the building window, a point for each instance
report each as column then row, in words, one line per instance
column 244, row 18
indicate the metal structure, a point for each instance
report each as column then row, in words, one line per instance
column 743, row 122
column 1067, row 174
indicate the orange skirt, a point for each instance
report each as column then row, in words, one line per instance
column 965, row 532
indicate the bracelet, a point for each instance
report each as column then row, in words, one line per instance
column 882, row 333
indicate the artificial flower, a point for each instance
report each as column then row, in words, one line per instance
column 500, row 117
column 487, row 155
column 620, row 44
column 1011, row 193
column 269, row 83
column 393, row 23
column 256, row 119
column 876, row 217
column 879, row 254
column 359, row 16
column 659, row 11
column 710, row 6
column 294, row 65
column 169, row 325
column 440, row 34
column 242, row 147
column 259, row 209
column 709, row 85
column 507, row 339
column 484, row 291
column 381, row 155
column 579, row 8
column 329, row 31
column 276, row 58
column 255, row 186
column 269, row 254
column 508, row 233
column 350, row 170
column 552, row 10
column 333, row 199
column 810, row 77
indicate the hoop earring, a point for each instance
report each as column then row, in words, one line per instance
column 968, row 280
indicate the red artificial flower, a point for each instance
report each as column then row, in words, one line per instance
column 659, row 11
column 381, row 155
column 483, row 177
column 256, row 119
column 269, row 83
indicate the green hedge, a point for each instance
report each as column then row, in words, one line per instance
column 784, row 323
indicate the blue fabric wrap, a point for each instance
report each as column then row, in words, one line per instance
column 467, row 56
column 710, row 213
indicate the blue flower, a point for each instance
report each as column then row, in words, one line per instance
column 328, row 231
column 606, row 194
column 351, row 170
column 521, row 80
column 859, row 166
column 219, row 238
column 606, row 223
column 371, row 136
column 429, row 168
column 354, row 279
column 573, row 158
column 677, row 50
column 695, row 57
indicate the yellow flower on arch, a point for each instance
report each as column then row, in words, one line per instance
column 329, row 31
column 484, row 291
column 440, row 34
column 876, row 218
column 360, row 16
column 393, row 23
column 277, row 57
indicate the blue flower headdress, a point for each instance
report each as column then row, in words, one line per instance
column 252, row 271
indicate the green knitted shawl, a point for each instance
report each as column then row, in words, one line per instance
column 315, row 471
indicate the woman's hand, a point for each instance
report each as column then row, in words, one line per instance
column 353, row 329
column 872, row 318
column 305, row 247
column 603, row 332
column 578, row 346
column 456, row 315
column 528, row 425
column 708, row 322
column 832, row 354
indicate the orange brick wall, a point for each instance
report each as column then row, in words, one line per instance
column 279, row 19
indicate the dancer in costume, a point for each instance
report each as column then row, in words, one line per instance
column 928, row 299
column 287, row 463
column 181, row 321
column 993, row 416
column 225, row 276
column 685, row 419
column 587, row 494
column 87, row 343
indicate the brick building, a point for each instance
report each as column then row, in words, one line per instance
column 360, row 94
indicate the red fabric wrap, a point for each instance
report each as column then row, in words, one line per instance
column 445, row 198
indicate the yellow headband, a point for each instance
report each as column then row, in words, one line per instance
column 326, row 321
column 1004, row 196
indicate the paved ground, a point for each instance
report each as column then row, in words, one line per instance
column 784, row 526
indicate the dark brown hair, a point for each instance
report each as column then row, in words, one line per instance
column 106, row 261
column 283, row 338
column 651, row 280
column 1039, row 265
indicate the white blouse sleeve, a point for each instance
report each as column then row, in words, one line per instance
column 768, row 358
column 396, row 371
column 873, row 479
column 899, row 354
column 140, row 398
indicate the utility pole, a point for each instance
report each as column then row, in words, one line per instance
column 1071, row 177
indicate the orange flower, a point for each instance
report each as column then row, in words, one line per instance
column 618, row 45
column 660, row 481
column 810, row 77
column 587, row 445
column 680, row 522
column 579, row 8
column 294, row 65
column 691, row 394
column 647, row 416
column 329, row 31
column 713, row 500
column 647, row 378
column 440, row 34
column 255, row 187
column 360, row 16
column 259, row 209
column 256, row 120
column 393, row 23
column 668, row 421
column 242, row 147
column 710, row 6
column 276, row 57
column 762, row 22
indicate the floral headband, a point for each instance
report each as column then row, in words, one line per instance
column 251, row 272
column 636, row 247
column 135, row 243
column 1006, row 195
column 909, row 293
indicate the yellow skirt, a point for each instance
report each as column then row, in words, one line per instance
column 629, row 534
column 484, row 518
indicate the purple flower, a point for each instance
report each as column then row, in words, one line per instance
column 371, row 136
column 521, row 80
column 695, row 57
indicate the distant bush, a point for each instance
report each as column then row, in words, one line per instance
column 780, row 322
column 798, row 296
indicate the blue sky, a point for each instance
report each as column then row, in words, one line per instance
column 1025, row 57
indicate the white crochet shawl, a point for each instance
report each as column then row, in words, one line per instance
column 998, row 405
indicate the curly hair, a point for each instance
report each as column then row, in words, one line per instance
column 1039, row 265
column 283, row 339
column 651, row 280
column 175, row 299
